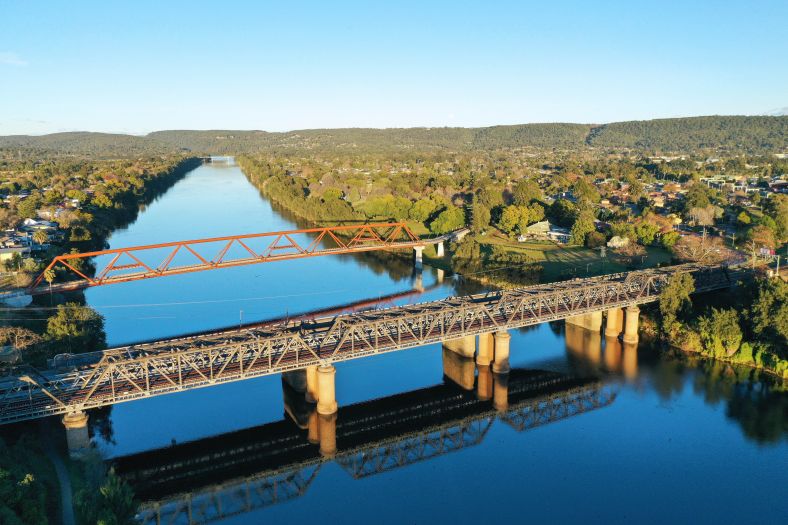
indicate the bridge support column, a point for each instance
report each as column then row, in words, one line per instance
column 590, row 321
column 484, row 383
column 77, row 436
column 327, row 424
column 418, row 257
column 615, row 322
column 501, row 363
column 631, row 325
column 594, row 321
column 501, row 392
column 311, row 394
column 439, row 250
column 326, row 390
column 459, row 369
column 486, row 350
column 464, row 346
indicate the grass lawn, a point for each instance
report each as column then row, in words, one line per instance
column 562, row 261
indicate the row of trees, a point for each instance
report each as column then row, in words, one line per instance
column 750, row 328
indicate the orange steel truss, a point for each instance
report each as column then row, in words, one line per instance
column 134, row 263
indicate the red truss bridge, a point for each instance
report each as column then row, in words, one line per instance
column 158, row 260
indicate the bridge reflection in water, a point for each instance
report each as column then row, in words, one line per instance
column 214, row 478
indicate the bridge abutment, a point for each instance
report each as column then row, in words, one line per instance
column 77, row 437
column 501, row 362
column 326, row 390
column 631, row 325
column 615, row 322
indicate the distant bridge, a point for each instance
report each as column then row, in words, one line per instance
column 173, row 258
column 173, row 365
column 203, row 481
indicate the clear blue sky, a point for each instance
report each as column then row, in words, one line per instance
column 138, row 66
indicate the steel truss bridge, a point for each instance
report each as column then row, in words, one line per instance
column 373, row 437
column 138, row 371
column 160, row 260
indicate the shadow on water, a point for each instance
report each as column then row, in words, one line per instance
column 238, row 472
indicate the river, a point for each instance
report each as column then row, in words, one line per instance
column 675, row 442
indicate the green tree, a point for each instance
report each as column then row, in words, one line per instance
column 78, row 328
column 450, row 219
column 769, row 312
column 743, row 218
column 720, row 332
column 584, row 224
column 40, row 237
column 525, row 192
column 562, row 212
column 646, row 232
column 674, row 299
column 422, row 209
column 669, row 239
column 510, row 219
column 480, row 217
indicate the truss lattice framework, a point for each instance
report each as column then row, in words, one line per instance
column 139, row 371
column 159, row 260
column 220, row 502
column 271, row 487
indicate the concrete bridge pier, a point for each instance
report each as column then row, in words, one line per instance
column 326, row 390
column 439, row 249
column 590, row 321
column 486, row 350
column 484, row 383
column 501, row 362
column 77, row 437
column 459, row 369
column 615, row 322
column 311, row 393
column 464, row 346
column 501, row 392
column 418, row 257
column 631, row 325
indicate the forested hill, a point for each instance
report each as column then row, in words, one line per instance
column 748, row 134
column 82, row 143
column 715, row 134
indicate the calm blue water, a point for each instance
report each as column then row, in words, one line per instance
column 677, row 444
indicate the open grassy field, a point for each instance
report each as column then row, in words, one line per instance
column 562, row 261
